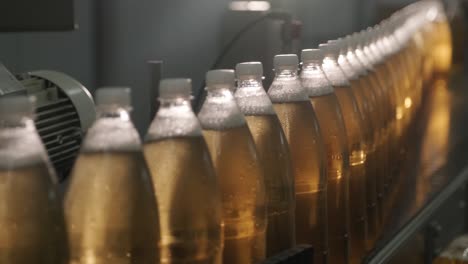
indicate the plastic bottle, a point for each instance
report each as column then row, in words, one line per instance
column 354, row 126
column 366, row 104
column 333, row 131
column 300, row 126
column 110, row 207
column 441, row 38
column 274, row 154
column 184, row 180
column 33, row 229
column 375, row 126
column 392, row 57
column 387, row 100
column 239, row 171
column 394, row 61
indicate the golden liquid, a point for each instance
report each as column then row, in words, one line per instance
column 273, row 152
column 377, row 161
column 243, row 194
column 302, row 132
column 417, row 73
column 442, row 47
column 333, row 133
column 428, row 63
column 406, row 67
column 357, row 179
column 398, row 69
column 188, row 200
column 401, row 69
column 374, row 120
column 391, row 149
column 32, row 224
column 110, row 210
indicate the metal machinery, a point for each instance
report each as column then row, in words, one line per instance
column 64, row 111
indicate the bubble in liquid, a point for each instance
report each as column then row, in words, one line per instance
column 287, row 90
column 315, row 82
column 172, row 122
column 220, row 111
column 111, row 134
column 254, row 101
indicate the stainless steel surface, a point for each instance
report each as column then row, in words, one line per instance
column 430, row 208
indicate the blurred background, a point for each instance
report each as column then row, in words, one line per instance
column 109, row 42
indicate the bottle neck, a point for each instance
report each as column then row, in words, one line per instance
column 117, row 112
column 175, row 118
column 178, row 104
column 220, row 91
column 252, row 81
column 286, row 73
column 311, row 65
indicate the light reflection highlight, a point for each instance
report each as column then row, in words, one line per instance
column 250, row 6
column 408, row 102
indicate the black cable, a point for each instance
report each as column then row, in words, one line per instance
column 201, row 94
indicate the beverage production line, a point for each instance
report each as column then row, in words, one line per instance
column 423, row 215
column 427, row 218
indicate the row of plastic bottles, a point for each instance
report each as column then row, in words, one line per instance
column 312, row 161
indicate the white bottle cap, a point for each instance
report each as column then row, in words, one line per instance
column 286, row 61
column 249, row 69
column 311, row 55
column 120, row 96
column 175, row 87
column 14, row 106
column 220, row 78
column 329, row 50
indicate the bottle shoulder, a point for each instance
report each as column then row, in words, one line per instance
column 20, row 147
column 112, row 134
column 284, row 90
column 315, row 82
column 254, row 101
column 175, row 122
column 220, row 112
